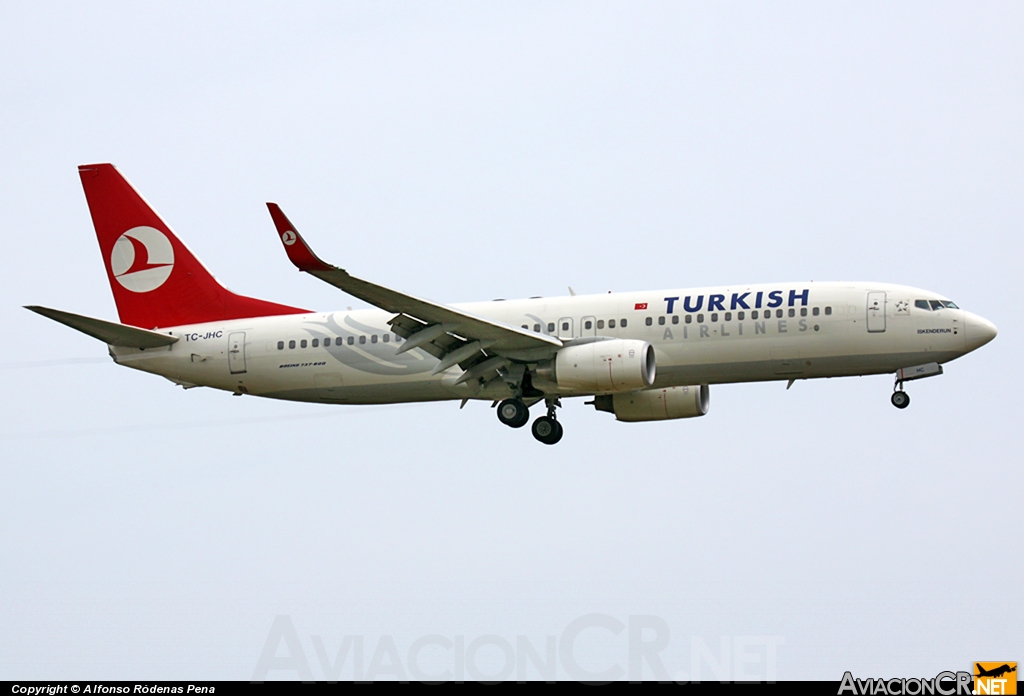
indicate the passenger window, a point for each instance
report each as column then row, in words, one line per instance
column 778, row 313
column 611, row 323
column 525, row 326
column 689, row 318
column 565, row 326
column 828, row 311
column 648, row 321
column 280, row 345
column 700, row 318
column 362, row 340
column 588, row 324
column 302, row 343
column 753, row 315
column 600, row 323
column 714, row 316
column 792, row 312
column 536, row 328
column 936, row 305
column 815, row 311
column 316, row 342
column 373, row 338
column 661, row 321
column 387, row 338
column 291, row 344
column 803, row 311
column 622, row 323
column 551, row 327
column 675, row 318
column 740, row 315
column 351, row 340
column 728, row 316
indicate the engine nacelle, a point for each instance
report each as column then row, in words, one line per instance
column 600, row 367
column 657, row 404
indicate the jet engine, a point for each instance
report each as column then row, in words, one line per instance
column 656, row 404
column 599, row 367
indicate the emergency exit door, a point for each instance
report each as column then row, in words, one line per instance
column 236, row 352
column 565, row 328
column 876, row 312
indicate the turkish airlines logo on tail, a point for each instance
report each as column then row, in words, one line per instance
column 142, row 259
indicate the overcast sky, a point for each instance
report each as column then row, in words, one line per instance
column 473, row 151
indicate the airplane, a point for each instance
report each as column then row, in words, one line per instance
column 641, row 356
column 994, row 672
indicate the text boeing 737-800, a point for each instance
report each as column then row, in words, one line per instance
column 642, row 355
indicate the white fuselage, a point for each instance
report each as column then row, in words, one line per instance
column 701, row 336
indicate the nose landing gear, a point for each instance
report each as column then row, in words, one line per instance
column 900, row 399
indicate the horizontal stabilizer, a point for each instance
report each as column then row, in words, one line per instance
column 107, row 331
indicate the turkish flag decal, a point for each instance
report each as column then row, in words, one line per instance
column 640, row 305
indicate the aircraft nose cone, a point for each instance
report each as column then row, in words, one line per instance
column 979, row 331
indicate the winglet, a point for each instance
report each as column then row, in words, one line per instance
column 295, row 246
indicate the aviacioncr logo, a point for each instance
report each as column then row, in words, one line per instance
column 142, row 259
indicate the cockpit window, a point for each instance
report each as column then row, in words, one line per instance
column 949, row 305
column 936, row 305
column 922, row 304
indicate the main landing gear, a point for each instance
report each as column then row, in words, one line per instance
column 547, row 430
column 515, row 414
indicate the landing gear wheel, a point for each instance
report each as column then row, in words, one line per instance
column 900, row 399
column 513, row 413
column 547, row 430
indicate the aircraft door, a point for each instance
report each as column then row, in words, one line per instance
column 329, row 385
column 876, row 312
column 236, row 352
column 588, row 326
column 565, row 328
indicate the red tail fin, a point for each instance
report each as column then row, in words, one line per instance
column 156, row 280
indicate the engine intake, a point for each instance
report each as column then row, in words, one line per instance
column 600, row 367
column 656, row 404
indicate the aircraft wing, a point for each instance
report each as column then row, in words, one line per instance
column 445, row 332
column 107, row 331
